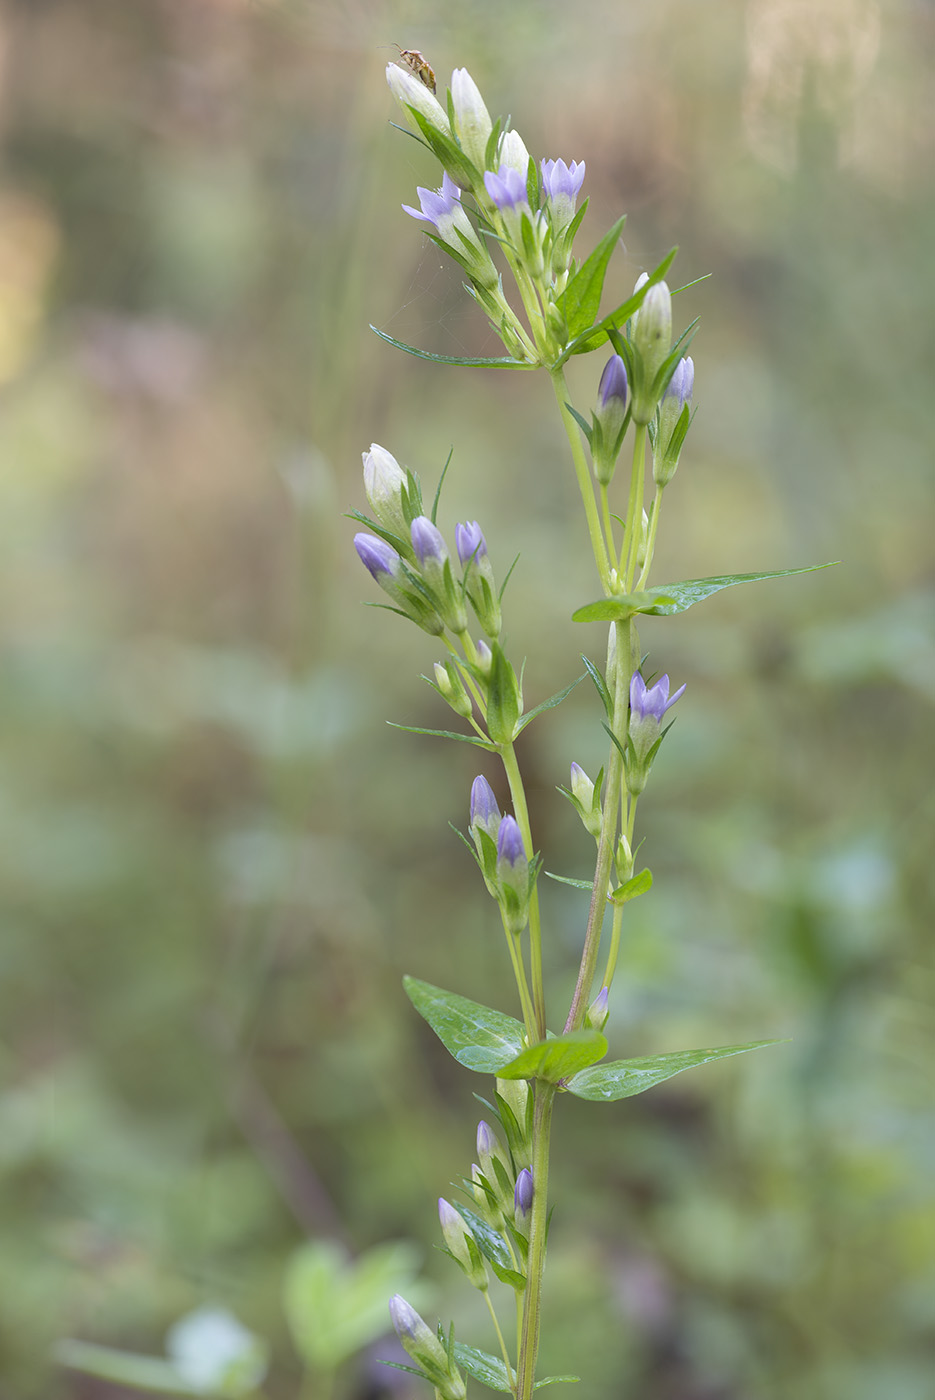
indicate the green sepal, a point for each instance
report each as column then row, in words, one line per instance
column 549, row 704
column 493, row 141
column 438, row 488
column 504, row 701
column 402, row 547
column 556, row 1059
column 566, row 238
column 501, row 361
column 583, row 424
column 442, row 733
column 477, row 1036
column 633, row 888
column 581, row 299
column 597, row 334
column 623, row 1078
column 600, row 685
column 398, row 1365
column 533, row 193
column 447, row 151
column 669, row 598
column 565, row 880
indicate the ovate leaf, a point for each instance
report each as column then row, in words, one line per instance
column 623, row 1078
column 557, row 1059
column 477, row 1036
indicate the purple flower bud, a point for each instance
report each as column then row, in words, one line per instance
column 406, row 1321
column 486, row 1142
column 428, row 542
column 510, row 848
column 681, row 384
column 484, row 813
column 653, row 701
column 596, row 1016
column 507, row 188
column 470, row 541
column 522, row 1196
column 613, row 383
column 376, row 555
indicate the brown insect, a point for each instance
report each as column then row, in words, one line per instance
column 418, row 65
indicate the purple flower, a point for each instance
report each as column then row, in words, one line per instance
column 470, row 541
column 522, row 1196
column 376, row 555
column 507, row 188
column 560, row 180
column 428, row 542
column 681, row 384
column 484, row 812
column 653, row 701
column 613, row 383
column 437, row 205
column 510, row 848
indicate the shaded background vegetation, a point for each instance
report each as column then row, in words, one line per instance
column 217, row 861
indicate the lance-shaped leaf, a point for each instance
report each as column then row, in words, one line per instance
column 477, row 1036
column 549, row 704
column 497, row 361
column 491, row 1370
column 623, row 1078
column 670, row 598
column 441, row 733
column 581, row 299
column 591, row 338
column 557, row 1059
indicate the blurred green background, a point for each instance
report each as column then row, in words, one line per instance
column 216, row 859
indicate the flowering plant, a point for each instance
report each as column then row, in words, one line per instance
column 494, row 196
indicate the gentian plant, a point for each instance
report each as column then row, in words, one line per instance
column 498, row 210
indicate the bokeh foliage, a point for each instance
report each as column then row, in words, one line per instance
column 216, row 860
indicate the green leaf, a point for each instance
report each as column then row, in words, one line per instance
column 442, row 733
column 670, row 598
column 489, row 1370
column 581, row 300
column 149, row 1373
column 558, row 1058
column 549, row 704
column 500, row 361
column 597, row 334
column 623, row 1078
column 564, row 880
column 477, row 1036
column 490, row 1242
column 336, row 1305
column 503, row 697
column 632, row 889
column 600, row 686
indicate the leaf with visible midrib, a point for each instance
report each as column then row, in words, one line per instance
column 623, row 1078
column 477, row 1036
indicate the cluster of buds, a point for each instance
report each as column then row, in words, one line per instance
column 501, row 1185
column 428, row 1350
column 501, row 856
column 529, row 208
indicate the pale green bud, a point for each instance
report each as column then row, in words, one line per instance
column 472, row 120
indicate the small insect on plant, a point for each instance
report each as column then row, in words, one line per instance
column 418, row 65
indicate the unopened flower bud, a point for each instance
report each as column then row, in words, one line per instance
column 484, row 810
column 426, row 1350
column 387, row 488
column 435, row 565
column 479, row 577
column 597, row 1012
column 386, row 567
column 609, row 418
column 624, row 860
column 484, row 657
column 451, row 686
column 471, row 119
column 512, row 152
column 651, row 331
column 674, row 418
column 643, row 542
column 461, row 1244
column 522, row 1198
column 410, row 91
column 512, row 875
column 587, row 800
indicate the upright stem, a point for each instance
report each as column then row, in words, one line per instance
column 598, row 543
column 518, row 794
column 592, row 937
column 529, row 1341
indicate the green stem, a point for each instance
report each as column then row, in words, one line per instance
column 539, row 1218
column 631, row 538
column 503, row 1351
column 611, row 967
column 607, row 518
column 519, row 972
column 651, row 542
column 521, row 809
column 605, row 845
column 598, row 543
